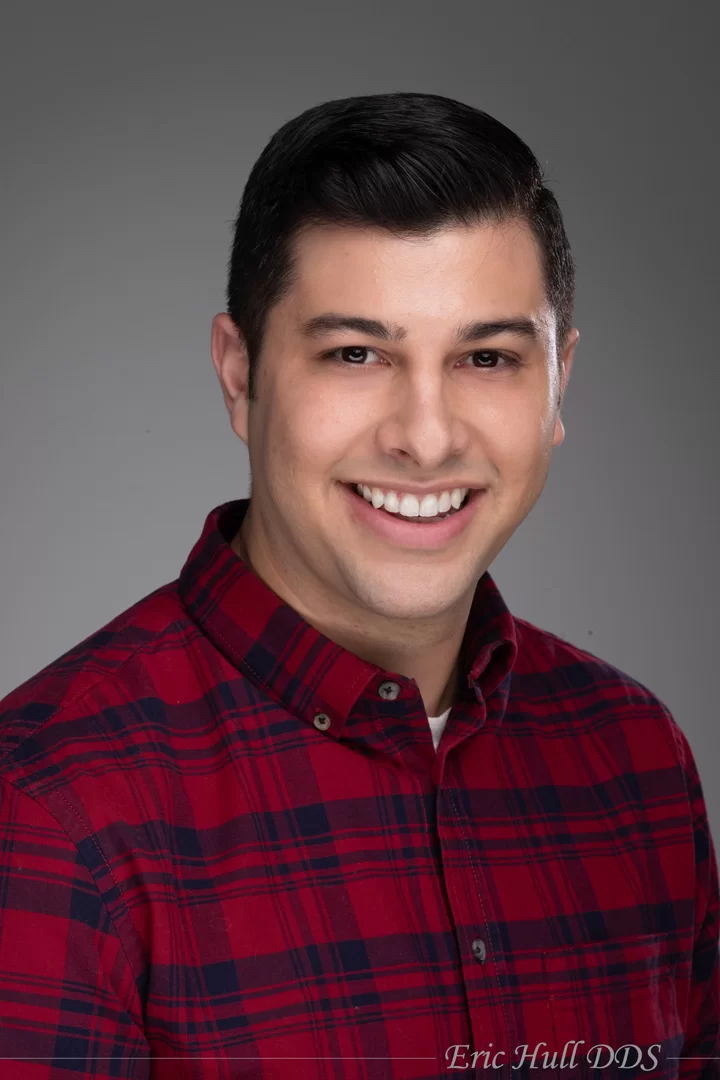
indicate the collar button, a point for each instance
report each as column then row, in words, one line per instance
column 321, row 721
column 389, row 690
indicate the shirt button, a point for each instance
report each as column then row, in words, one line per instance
column 321, row 721
column 389, row 690
column 478, row 949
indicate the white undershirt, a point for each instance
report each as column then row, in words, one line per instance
column 437, row 723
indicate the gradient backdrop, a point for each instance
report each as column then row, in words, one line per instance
column 127, row 133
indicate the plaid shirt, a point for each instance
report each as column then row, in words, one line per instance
column 229, row 849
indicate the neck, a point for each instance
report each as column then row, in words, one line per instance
column 447, row 697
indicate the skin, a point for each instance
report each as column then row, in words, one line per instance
column 419, row 410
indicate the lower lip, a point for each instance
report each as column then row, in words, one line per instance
column 404, row 531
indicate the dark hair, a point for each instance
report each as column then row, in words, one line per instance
column 407, row 162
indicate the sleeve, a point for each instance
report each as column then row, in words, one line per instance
column 69, row 1005
column 702, row 1030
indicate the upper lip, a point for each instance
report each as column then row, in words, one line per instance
column 414, row 489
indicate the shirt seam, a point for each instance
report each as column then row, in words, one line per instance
column 677, row 737
column 60, row 825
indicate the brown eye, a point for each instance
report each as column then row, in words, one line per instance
column 488, row 359
column 351, row 353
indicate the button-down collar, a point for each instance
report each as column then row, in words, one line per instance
column 310, row 675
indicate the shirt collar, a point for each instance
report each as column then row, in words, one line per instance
column 273, row 645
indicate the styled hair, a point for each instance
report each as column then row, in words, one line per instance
column 410, row 163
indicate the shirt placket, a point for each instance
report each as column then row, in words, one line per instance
column 490, row 1011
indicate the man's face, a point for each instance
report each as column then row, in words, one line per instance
column 422, row 410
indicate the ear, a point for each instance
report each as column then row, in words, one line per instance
column 231, row 362
column 566, row 367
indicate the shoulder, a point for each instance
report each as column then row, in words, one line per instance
column 117, row 663
column 585, row 689
column 548, row 660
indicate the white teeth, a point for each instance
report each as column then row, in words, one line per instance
column 409, row 505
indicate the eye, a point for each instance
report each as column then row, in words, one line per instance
column 488, row 358
column 348, row 354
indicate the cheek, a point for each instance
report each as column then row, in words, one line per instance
column 517, row 441
column 307, row 431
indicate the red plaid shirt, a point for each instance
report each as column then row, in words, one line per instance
column 229, row 849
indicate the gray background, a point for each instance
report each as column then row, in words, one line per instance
column 127, row 133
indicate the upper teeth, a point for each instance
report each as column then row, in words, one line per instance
column 409, row 505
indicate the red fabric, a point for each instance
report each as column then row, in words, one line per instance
column 198, row 881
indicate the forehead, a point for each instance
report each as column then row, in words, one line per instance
column 487, row 268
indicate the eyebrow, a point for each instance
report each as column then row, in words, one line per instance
column 330, row 321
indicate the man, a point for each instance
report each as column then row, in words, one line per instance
column 322, row 807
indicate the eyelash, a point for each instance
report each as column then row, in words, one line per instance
column 332, row 354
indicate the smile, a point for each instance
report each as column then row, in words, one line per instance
column 419, row 532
